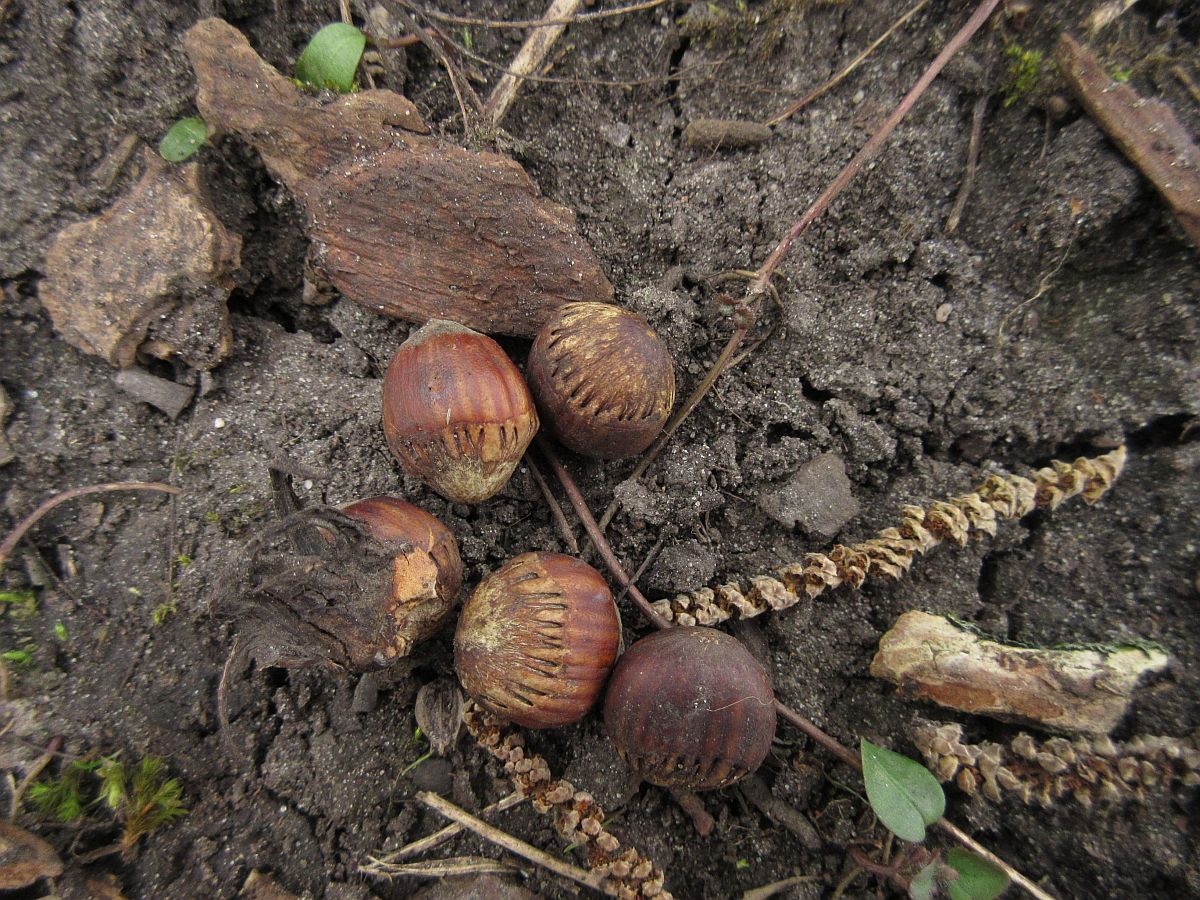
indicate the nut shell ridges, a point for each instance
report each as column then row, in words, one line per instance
column 536, row 640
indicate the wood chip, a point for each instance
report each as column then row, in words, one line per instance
column 400, row 222
column 725, row 134
column 150, row 273
column 1146, row 130
column 1068, row 691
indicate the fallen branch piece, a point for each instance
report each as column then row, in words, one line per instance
column 400, row 222
column 1146, row 131
column 1095, row 770
column 724, row 134
column 1073, row 691
column 445, row 868
column 892, row 551
column 502, row 839
column 152, row 272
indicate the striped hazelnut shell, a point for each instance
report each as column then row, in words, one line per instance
column 537, row 639
column 690, row 708
column 602, row 378
column 456, row 411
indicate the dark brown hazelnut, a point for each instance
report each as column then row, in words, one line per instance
column 456, row 412
column 536, row 640
column 602, row 379
column 690, row 708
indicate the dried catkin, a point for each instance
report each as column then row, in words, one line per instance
column 1089, row 770
column 577, row 816
column 1001, row 496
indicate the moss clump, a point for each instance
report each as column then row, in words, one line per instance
column 1024, row 73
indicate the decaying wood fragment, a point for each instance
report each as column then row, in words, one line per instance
column 725, row 134
column 24, row 858
column 400, row 222
column 150, row 273
column 1084, row 691
column 1146, row 130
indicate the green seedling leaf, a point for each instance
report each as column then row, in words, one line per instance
column 903, row 793
column 183, row 139
column 331, row 58
column 977, row 878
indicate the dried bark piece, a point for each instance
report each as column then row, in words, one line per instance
column 168, row 396
column 24, row 858
column 401, row 223
column 1070, row 691
column 151, row 272
column 1146, row 131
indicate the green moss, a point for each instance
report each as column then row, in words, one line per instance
column 1024, row 73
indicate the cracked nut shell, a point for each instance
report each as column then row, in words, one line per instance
column 690, row 708
column 537, row 639
column 456, row 411
column 602, row 378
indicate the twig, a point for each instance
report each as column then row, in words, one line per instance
column 968, row 181
column 830, row 743
column 775, row 887
column 760, row 282
column 593, row 880
column 564, row 527
column 1187, row 81
column 451, row 70
column 641, row 570
column 593, row 531
column 418, row 847
column 439, row 868
column 854, row 64
column 540, row 23
column 528, row 58
column 34, row 771
column 14, row 536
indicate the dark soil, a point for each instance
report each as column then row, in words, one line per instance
column 918, row 358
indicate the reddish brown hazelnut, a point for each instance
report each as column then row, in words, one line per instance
column 456, row 412
column 690, row 708
column 536, row 640
column 602, row 379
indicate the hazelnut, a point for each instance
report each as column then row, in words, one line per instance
column 537, row 639
column 602, row 379
column 456, row 412
column 690, row 708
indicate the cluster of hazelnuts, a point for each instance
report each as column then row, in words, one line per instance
column 538, row 640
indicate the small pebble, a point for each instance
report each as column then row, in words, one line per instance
column 943, row 312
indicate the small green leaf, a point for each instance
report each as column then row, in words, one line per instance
column 183, row 139
column 331, row 58
column 60, row 631
column 903, row 793
column 977, row 878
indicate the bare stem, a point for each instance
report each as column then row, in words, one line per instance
column 440, row 837
column 528, row 58
column 872, row 147
column 593, row 880
column 543, row 22
column 14, row 536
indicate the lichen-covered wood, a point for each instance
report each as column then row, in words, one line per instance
column 400, row 222
column 1084, row 690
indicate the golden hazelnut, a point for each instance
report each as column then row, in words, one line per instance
column 602, row 379
column 536, row 640
column 456, row 412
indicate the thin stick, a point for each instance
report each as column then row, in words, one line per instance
column 564, row 527
column 854, row 64
column 593, row 531
column 830, row 743
column 35, row 770
column 975, row 847
column 451, row 71
column 1186, row 80
column 440, row 837
column 775, row 887
column 528, row 58
column 14, row 536
column 968, row 182
column 871, row 149
column 438, row 868
column 540, row 23
column 593, row 880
